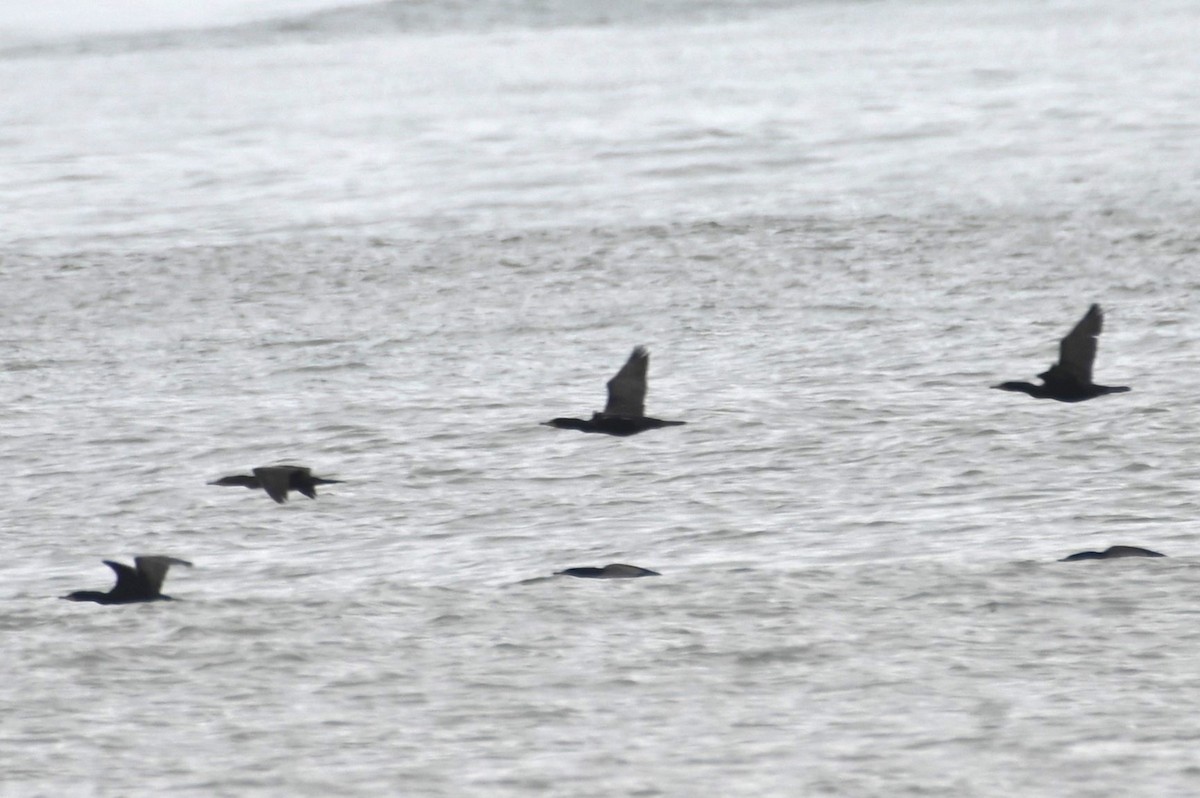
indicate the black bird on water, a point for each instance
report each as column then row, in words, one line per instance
column 133, row 584
column 278, row 480
column 614, row 570
column 625, row 412
column 1070, row 379
column 1112, row 552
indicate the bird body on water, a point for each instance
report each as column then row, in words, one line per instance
column 134, row 585
column 1112, row 552
column 614, row 570
column 1070, row 379
column 624, row 414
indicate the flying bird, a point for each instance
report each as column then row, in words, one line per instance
column 625, row 412
column 278, row 480
column 1070, row 379
column 134, row 585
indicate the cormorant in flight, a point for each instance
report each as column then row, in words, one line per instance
column 133, row 584
column 1070, row 379
column 278, row 480
column 625, row 412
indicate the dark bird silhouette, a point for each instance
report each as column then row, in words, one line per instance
column 614, row 570
column 133, row 584
column 625, row 412
column 1112, row 552
column 1070, row 379
column 278, row 480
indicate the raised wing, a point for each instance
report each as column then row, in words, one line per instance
column 275, row 481
column 129, row 584
column 153, row 570
column 1077, row 352
column 627, row 390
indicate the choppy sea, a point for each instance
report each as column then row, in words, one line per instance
column 386, row 240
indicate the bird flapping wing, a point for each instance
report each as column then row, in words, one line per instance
column 1077, row 352
column 275, row 481
column 153, row 570
column 627, row 390
column 128, row 581
column 302, row 480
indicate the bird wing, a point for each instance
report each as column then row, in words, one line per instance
column 627, row 390
column 1077, row 351
column 153, row 570
column 275, row 481
column 301, row 479
column 129, row 583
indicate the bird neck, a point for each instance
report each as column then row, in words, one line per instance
column 1037, row 391
column 571, row 423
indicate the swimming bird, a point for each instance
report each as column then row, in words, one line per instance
column 614, row 570
column 625, row 412
column 133, row 584
column 1070, row 379
column 1112, row 552
column 278, row 480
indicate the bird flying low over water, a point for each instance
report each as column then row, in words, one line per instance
column 614, row 570
column 278, row 480
column 625, row 412
column 1070, row 379
column 1112, row 552
column 134, row 585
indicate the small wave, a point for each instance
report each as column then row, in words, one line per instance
column 392, row 17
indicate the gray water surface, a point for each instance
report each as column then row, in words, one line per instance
column 388, row 250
